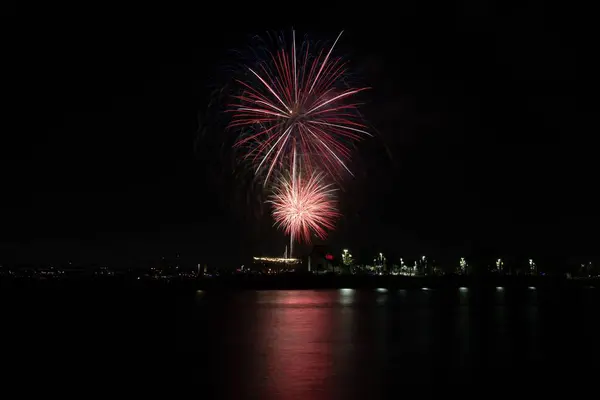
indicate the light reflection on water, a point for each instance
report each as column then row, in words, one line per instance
column 354, row 344
column 297, row 340
column 347, row 296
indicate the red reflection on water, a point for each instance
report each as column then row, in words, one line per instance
column 298, row 362
column 298, row 298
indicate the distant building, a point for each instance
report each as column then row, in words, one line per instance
column 500, row 266
column 380, row 264
column 275, row 265
column 321, row 259
column 533, row 269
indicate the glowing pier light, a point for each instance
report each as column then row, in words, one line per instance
column 346, row 296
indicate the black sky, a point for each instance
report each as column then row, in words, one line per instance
column 484, row 116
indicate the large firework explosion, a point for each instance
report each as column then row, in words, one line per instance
column 297, row 120
column 298, row 101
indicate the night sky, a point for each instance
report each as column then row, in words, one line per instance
column 115, row 150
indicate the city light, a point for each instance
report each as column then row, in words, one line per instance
column 463, row 289
column 532, row 266
column 500, row 265
column 463, row 265
column 278, row 260
column 382, row 290
column 347, row 259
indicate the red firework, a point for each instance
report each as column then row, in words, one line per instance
column 304, row 205
column 297, row 102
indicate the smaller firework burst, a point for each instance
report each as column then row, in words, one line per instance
column 304, row 205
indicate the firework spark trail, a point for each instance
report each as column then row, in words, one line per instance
column 300, row 99
column 325, row 62
column 302, row 206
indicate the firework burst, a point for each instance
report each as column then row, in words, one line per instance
column 297, row 102
column 302, row 206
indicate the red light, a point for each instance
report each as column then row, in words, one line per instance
column 329, row 257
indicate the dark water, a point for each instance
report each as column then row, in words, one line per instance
column 331, row 344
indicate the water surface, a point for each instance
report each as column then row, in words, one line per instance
column 365, row 344
column 329, row 344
